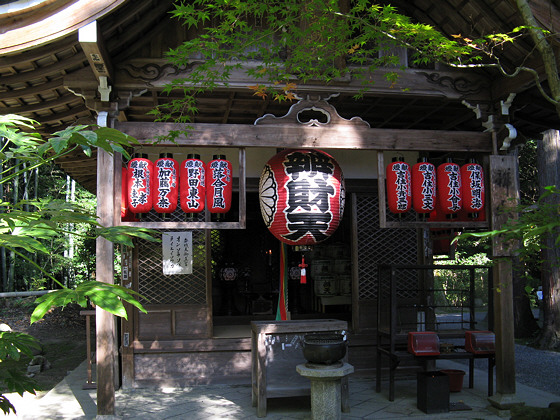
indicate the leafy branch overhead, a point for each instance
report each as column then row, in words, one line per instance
column 533, row 223
column 283, row 44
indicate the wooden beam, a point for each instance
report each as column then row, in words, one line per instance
column 451, row 84
column 65, row 100
column 327, row 137
column 32, row 90
column 55, row 69
column 92, row 43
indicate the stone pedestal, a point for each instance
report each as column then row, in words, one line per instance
column 326, row 401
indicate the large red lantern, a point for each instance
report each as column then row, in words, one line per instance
column 449, row 188
column 192, row 190
column 398, row 186
column 166, row 184
column 302, row 196
column 423, row 187
column 472, row 179
column 139, row 179
column 219, row 184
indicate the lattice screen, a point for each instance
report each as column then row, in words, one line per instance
column 181, row 289
column 382, row 246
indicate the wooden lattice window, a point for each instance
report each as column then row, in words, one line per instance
column 382, row 246
column 159, row 289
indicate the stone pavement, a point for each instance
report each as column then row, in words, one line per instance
column 69, row 401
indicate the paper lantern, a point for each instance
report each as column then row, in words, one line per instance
column 423, row 187
column 126, row 214
column 139, row 179
column 398, row 178
column 124, row 193
column 302, row 196
column 166, row 184
column 218, row 185
column 192, row 190
column 472, row 179
column 449, row 188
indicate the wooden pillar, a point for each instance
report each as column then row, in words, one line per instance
column 105, row 322
column 504, row 193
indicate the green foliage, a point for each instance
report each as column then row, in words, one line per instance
column 534, row 222
column 12, row 346
column 109, row 297
column 281, row 43
column 454, row 283
column 29, row 228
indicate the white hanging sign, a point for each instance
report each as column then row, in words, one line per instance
column 177, row 253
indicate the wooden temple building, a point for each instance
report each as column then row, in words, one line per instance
column 64, row 62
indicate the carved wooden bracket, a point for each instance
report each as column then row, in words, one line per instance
column 312, row 112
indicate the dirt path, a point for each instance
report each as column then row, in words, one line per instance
column 61, row 334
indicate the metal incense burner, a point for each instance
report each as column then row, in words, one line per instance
column 324, row 348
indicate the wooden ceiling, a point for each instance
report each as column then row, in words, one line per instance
column 38, row 68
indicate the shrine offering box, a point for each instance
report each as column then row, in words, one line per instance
column 480, row 342
column 424, row 343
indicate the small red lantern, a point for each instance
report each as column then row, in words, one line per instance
column 423, row 187
column 126, row 214
column 139, row 179
column 219, row 184
column 398, row 186
column 302, row 196
column 124, row 193
column 472, row 178
column 166, row 184
column 449, row 188
column 192, row 188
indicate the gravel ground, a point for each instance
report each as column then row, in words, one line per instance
column 538, row 368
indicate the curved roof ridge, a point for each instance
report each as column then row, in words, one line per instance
column 70, row 17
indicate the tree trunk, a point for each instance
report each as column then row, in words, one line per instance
column 12, row 268
column 548, row 155
column 3, row 250
column 524, row 322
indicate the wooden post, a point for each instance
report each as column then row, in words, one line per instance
column 105, row 322
column 504, row 189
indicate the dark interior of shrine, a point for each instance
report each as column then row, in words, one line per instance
column 246, row 273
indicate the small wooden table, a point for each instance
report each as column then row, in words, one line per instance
column 276, row 350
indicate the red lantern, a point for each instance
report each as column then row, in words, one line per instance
column 166, row 184
column 139, row 179
column 449, row 188
column 423, row 187
column 219, row 185
column 192, row 190
column 126, row 214
column 398, row 186
column 124, row 193
column 472, row 178
column 302, row 195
